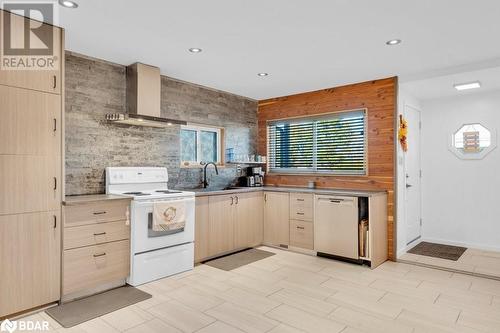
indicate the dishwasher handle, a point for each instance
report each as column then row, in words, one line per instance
column 336, row 200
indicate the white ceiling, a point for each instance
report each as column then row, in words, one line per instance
column 305, row 45
column 443, row 86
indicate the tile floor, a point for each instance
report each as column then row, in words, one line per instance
column 291, row 292
column 473, row 261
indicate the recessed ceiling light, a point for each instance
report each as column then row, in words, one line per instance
column 262, row 74
column 394, row 42
column 68, row 3
column 468, row 85
column 195, row 50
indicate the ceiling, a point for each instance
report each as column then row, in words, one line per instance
column 304, row 45
column 443, row 86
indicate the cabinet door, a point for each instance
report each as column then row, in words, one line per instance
column 49, row 79
column 221, row 227
column 29, row 184
column 30, row 122
column 249, row 219
column 276, row 218
column 30, row 257
column 201, row 231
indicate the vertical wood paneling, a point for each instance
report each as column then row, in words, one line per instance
column 379, row 98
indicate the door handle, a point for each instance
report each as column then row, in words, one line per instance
column 54, row 82
column 55, row 183
column 408, row 185
column 55, row 125
column 55, row 221
column 237, row 199
column 232, row 201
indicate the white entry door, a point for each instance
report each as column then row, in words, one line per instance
column 413, row 176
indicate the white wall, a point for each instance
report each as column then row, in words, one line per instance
column 404, row 99
column 460, row 197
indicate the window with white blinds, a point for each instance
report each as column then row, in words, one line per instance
column 333, row 144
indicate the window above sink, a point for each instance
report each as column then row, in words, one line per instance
column 200, row 144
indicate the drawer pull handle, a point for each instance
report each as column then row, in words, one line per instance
column 99, row 255
column 300, row 199
column 100, row 213
column 301, row 228
column 55, row 183
column 54, row 82
column 300, row 213
column 55, row 125
column 100, row 233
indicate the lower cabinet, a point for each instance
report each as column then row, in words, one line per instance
column 276, row 218
column 30, row 257
column 225, row 223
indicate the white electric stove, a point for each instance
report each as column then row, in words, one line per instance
column 154, row 254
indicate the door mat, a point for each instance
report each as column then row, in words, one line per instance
column 438, row 250
column 232, row 261
column 82, row 310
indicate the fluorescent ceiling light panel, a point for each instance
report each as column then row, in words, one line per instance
column 467, row 86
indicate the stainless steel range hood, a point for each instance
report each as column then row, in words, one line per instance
column 143, row 99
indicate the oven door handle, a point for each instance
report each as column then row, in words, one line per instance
column 148, row 203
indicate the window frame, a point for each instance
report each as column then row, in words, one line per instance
column 198, row 129
column 313, row 171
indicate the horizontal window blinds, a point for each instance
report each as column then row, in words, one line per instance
column 334, row 143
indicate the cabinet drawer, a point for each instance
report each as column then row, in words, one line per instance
column 91, row 266
column 301, row 206
column 93, row 234
column 301, row 234
column 96, row 212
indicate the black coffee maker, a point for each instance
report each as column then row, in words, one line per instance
column 254, row 177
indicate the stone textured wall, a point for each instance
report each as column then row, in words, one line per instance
column 95, row 87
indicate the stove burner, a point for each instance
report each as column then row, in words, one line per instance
column 168, row 191
column 136, row 193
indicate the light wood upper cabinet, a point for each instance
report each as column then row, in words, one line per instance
column 201, row 231
column 30, row 122
column 29, row 183
column 221, row 224
column 249, row 219
column 48, row 80
column 30, row 246
column 276, row 218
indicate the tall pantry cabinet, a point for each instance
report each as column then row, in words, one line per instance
column 31, row 181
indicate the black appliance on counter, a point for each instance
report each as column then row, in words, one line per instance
column 254, row 177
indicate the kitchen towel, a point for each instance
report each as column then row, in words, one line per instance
column 169, row 216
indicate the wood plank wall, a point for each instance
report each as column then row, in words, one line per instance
column 379, row 97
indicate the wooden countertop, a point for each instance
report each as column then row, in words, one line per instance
column 73, row 200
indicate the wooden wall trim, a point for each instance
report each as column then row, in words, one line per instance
column 379, row 97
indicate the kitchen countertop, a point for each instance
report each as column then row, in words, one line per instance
column 73, row 200
column 326, row 191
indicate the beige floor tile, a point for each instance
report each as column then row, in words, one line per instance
column 358, row 301
column 404, row 290
column 126, row 318
column 401, row 279
column 180, row 316
column 205, row 280
column 355, row 290
column 305, row 303
column 392, row 266
column 486, row 286
column 304, row 321
column 425, row 324
column 219, row 327
column 259, row 274
column 42, row 317
column 267, row 264
column 320, row 292
column 348, row 275
column 241, row 318
column 154, row 326
column 195, row 298
column 282, row 328
column 301, row 276
column 165, row 285
column 92, row 326
column 253, row 285
column 368, row 322
column 479, row 321
column 251, row 301
column 427, row 309
column 158, row 296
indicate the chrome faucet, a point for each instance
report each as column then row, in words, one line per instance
column 205, row 183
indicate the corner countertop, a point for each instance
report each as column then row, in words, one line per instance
column 289, row 189
column 73, row 200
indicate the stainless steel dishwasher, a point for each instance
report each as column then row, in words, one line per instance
column 336, row 225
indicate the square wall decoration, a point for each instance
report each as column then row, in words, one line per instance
column 472, row 141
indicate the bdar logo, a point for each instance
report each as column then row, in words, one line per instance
column 8, row 326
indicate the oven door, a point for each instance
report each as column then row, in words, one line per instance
column 144, row 239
